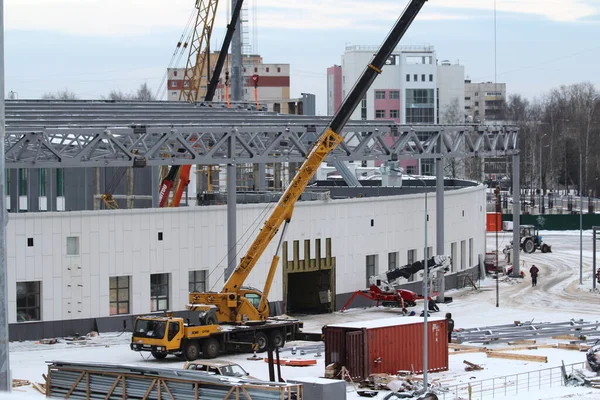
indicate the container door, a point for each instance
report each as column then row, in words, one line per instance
column 356, row 350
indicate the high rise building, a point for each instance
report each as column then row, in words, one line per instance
column 485, row 101
column 451, row 93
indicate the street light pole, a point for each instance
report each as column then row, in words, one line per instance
column 581, row 219
column 425, row 294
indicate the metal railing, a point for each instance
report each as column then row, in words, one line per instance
column 509, row 385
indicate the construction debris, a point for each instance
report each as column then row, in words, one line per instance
column 512, row 356
column 47, row 341
column 471, row 366
column 20, row 382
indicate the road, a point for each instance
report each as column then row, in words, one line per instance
column 558, row 290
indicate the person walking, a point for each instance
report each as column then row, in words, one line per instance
column 534, row 274
column 450, row 326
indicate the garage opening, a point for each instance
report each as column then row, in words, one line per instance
column 309, row 292
column 308, row 282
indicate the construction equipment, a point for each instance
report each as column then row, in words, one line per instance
column 382, row 290
column 107, row 197
column 199, row 54
column 531, row 240
column 247, row 309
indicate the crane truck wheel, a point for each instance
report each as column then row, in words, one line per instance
column 191, row 350
column 262, row 341
column 277, row 339
column 210, row 318
column 159, row 355
column 210, row 348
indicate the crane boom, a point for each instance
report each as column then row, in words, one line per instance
column 232, row 303
column 322, row 147
column 214, row 79
column 207, row 10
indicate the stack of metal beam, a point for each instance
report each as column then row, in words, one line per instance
column 525, row 331
column 73, row 380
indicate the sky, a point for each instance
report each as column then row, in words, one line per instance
column 91, row 47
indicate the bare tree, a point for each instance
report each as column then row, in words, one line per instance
column 453, row 114
column 142, row 94
column 60, row 95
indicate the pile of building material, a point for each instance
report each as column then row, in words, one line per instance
column 71, row 380
column 519, row 331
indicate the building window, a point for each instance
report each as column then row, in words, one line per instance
column 467, row 98
column 470, row 252
column 29, row 242
column 174, row 93
column 278, row 69
column 379, row 95
column 416, row 77
column 411, row 169
column 453, row 256
column 73, row 245
column 363, row 108
column 371, row 267
column 420, row 106
column 119, row 295
column 159, row 292
column 255, row 69
column 392, row 260
column 394, row 113
column 173, row 84
column 423, row 78
column 411, row 256
column 267, row 69
column 244, row 69
column 28, row 301
column 430, row 77
column 198, row 281
column 463, row 254
column 394, row 94
column 407, row 77
column 379, row 113
column 476, row 94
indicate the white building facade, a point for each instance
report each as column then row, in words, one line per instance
column 94, row 264
column 451, row 93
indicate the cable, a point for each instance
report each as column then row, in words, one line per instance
column 181, row 46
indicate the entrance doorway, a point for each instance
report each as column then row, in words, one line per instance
column 308, row 283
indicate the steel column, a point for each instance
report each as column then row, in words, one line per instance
column 5, row 380
column 231, row 219
column 50, row 189
column 33, row 190
column 13, row 190
column 439, row 221
column 155, row 184
column 516, row 176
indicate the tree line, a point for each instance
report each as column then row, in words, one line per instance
column 559, row 138
column 143, row 93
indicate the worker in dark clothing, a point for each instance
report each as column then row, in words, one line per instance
column 534, row 274
column 450, row 326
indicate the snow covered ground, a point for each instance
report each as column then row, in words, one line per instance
column 557, row 297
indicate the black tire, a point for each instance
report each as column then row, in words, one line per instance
column 529, row 246
column 159, row 355
column 210, row 348
column 545, row 248
column 277, row 339
column 191, row 350
column 262, row 341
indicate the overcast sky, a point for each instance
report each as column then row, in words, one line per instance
column 93, row 46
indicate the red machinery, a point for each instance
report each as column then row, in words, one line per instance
column 383, row 293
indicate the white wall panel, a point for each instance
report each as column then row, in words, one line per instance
column 125, row 243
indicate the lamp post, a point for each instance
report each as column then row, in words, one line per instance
column 581, row 219
column 425, row 292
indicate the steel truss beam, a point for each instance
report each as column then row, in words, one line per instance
column 209, row 144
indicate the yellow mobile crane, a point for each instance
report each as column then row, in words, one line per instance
column 246, row 310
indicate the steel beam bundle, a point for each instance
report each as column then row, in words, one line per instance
column 526, row 330
column 89, row 134
column 72, row 380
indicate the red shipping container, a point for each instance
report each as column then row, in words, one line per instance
column 386, row 346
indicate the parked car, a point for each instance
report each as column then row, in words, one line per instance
column 218, row 367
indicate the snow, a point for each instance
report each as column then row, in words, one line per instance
column 373, row 324
column 557, row 297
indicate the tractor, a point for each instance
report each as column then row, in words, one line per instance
column 530, row 241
